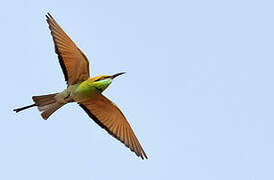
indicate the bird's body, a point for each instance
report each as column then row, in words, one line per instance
column 85, row 91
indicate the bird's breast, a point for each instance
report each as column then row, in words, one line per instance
column 84, row 91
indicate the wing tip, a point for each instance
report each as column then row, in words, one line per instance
column 48, row 15
column 145, row 156
column 142, row 154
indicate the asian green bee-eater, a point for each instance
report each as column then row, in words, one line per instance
column 85, row 91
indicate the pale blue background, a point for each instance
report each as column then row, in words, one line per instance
column 198, row 90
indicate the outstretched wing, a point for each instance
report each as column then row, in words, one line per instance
column 107, row 115
column 73, row 62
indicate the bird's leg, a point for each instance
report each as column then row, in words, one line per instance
column 68, row 98
column 64, row 97
column 68, row 95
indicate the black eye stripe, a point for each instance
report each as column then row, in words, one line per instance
column 101, row 78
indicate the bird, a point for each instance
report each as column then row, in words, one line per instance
column 84, row 90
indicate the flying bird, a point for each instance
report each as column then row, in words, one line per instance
column 85, row 91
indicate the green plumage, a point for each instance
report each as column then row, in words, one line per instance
column 88, row 89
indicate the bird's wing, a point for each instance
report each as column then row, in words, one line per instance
column 73, row 62
column 107, row 115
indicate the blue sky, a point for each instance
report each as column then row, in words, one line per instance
column 198, row 90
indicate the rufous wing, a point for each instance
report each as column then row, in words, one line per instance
column 74, row 63
column 107, row 115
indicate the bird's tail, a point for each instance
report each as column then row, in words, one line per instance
column 47, row 104
column 22, row 108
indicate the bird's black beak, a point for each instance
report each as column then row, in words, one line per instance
column 118, row 74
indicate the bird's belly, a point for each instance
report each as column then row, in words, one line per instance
column 83, row 93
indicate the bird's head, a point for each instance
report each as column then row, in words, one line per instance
column 103, row 81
